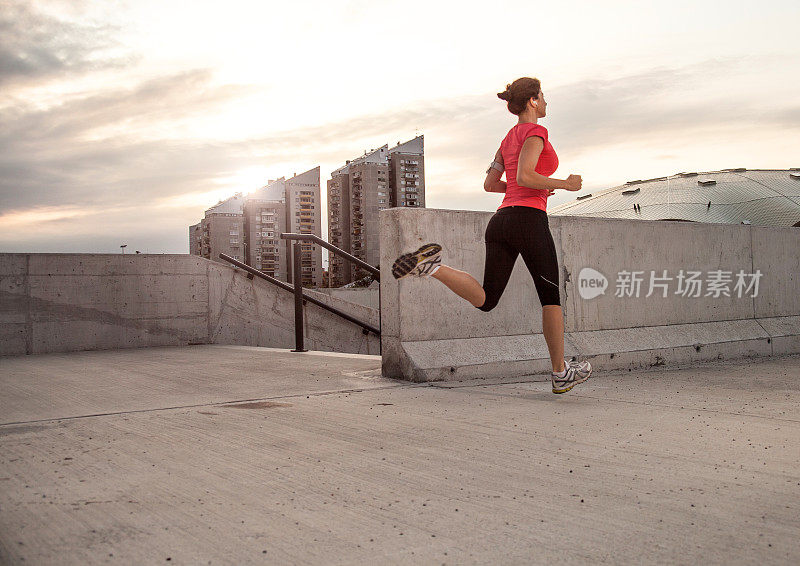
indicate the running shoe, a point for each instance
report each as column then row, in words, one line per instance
column 575, row 372
column 423, row 262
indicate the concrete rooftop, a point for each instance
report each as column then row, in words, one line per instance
column 240, row 455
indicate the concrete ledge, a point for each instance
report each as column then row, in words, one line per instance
column 631, row 348
column 469, row 358
column 620, row 326
column 643, row 338
column 72, row 302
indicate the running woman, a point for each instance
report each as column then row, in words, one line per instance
column 519, row 226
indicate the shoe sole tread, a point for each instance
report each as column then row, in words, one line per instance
column 404, row 264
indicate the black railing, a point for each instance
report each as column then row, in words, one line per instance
column 338, row 251
column 298, row 296
column 297, row 288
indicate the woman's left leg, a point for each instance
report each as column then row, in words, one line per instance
column 553, row 330
column 539, row 253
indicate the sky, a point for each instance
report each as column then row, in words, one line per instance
column 121, row 122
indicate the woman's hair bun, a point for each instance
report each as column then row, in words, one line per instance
column 505, row 95
column 519, row 92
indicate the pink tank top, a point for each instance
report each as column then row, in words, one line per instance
column 547, row 165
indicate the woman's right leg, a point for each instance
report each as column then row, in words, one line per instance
column 467, row 287
column 500, row 259
column 462, row 284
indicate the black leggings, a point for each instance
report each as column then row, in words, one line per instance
column 515, row 230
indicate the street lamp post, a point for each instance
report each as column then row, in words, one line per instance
column 123, row 246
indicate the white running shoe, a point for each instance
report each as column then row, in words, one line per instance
column 574, row 373
column 422, row 263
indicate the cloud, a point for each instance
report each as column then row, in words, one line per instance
column 37, row 45
column 153, row 230
column 593, row 112
column 106, row 149
column 162, row 99
column 124, row 150
column 698, row 100
column 788, row 117
column 109, row 148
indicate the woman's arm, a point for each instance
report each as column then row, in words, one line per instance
column 528, row 177
column 493, row 184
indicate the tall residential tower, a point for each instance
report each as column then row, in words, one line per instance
column 248, row 228
column 382, row 178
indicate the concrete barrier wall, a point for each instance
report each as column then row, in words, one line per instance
column 367, row 297
column 431, row 334
column 69, row 302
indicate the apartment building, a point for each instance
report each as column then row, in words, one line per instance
column 407, row 173
column 304, row 216
column 196, row 239
column 356, row 192
column 248, row 228
column 264, row 221
column 339, row 224
column 221, row 231
column 381, row 178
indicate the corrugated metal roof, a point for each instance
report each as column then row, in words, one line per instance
column 781, row 183
column 762, row 197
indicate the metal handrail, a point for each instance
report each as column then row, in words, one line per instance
column 297, row 288
column 304, row 297
column 298, row 301
column 338, row 251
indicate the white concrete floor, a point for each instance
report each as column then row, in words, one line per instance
column 138, row 457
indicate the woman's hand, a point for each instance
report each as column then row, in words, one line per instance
column 573, row 183
column 526, row 170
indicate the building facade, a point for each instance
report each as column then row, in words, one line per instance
column 264, row 221
column 222, row 230
column 304, row 216
column 196, row 239
column 338, row 223
column 248, row 228
column 407, row 173
column 382, row 178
